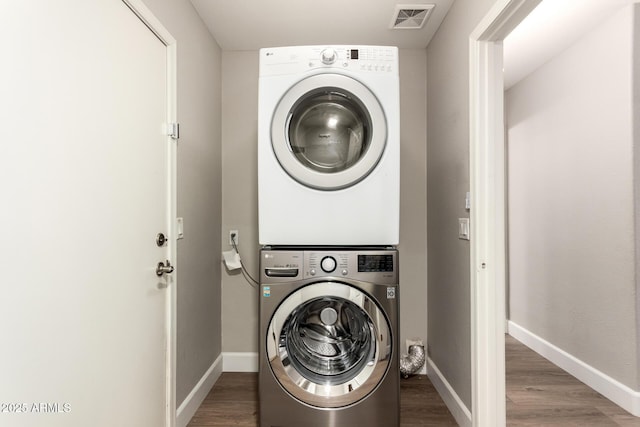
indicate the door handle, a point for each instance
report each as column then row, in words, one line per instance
column 163, row 268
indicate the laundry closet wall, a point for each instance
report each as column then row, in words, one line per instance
column 240, row 204
column 448, row 177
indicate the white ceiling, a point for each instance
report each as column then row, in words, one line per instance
column 551, row 28
column 254, row 24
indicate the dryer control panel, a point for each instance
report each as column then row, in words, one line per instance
column 295, row 59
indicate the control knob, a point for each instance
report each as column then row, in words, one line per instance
column 328, row 56
column 328, row 264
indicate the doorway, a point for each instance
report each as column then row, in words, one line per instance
column 488, row 263
column 570, row 194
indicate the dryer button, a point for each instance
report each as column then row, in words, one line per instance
column 328, row 56
column 345, row 272
column 313, row 272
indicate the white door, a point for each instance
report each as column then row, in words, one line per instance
column 84, row 190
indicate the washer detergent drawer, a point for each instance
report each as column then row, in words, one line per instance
column 281, row 272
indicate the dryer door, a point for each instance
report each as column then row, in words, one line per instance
column 329, row 344
column 328, row 131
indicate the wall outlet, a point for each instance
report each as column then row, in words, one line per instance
column 234, row 234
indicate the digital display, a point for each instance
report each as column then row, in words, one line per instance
column 354, row 53
column 375, row 263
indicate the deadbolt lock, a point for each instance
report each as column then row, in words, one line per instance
column 161, row 239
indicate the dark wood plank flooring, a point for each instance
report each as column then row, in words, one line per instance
column 233, row 401
column 541, row 394
column 538, row 394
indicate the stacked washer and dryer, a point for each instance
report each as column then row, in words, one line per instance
column 328, row 192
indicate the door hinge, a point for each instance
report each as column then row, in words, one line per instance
column 173, row 130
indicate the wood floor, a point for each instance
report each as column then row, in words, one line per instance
column 538, row 394
column 541, row 394
column 233, row 401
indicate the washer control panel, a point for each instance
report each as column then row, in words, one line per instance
column 368, row 265
column 322, row 262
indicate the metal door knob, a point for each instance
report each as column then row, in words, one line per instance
column 163, row 268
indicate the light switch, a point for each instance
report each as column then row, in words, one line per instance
column 180, row 228
column 463, row 229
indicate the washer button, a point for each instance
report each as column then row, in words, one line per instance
column 344, row 272
column 313, row 272
column 328, row 264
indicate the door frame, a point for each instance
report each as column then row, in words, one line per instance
column 155, row 26
column 487, row 184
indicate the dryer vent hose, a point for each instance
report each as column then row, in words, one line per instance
column 412, row 363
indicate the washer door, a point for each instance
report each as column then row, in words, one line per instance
column 329, row 345
column 328, row 131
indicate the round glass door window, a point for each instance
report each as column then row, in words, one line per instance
column 329, row 132
column 328, row 338
column 329, row 345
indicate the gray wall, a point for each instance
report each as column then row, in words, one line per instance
column 199, row 191
column 413, row 195
column 239, row 199
column 448, row 181
column 240, row 196
column 571, row 201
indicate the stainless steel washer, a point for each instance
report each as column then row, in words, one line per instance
column 329, row 337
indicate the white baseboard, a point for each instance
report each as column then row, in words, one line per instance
column 194, row 399
column 612, row 389
column 239, row 362
column 226, row 362
column 456, row 406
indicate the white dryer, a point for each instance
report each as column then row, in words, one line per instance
column 329, row 146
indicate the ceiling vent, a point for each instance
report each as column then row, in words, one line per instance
column 410, row 16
